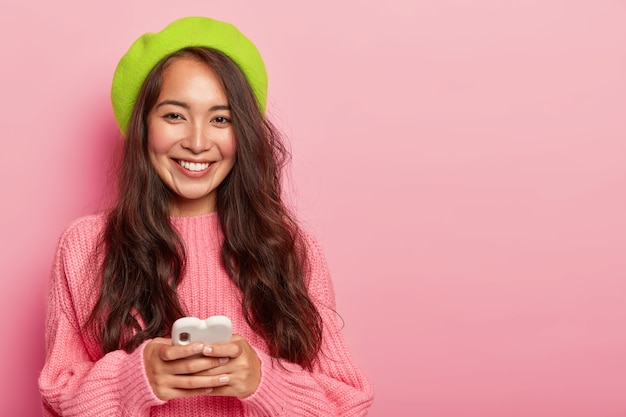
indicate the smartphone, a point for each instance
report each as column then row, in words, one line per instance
column 213, row 330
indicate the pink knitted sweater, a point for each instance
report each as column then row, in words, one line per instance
column 77, row 380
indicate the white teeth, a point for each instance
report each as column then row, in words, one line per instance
column 194, row 166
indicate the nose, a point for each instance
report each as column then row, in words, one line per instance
column 197, row 140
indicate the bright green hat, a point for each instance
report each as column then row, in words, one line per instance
column 151, row 48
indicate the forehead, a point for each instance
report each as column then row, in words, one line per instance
column 188, row 76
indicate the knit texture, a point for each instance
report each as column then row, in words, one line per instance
column 77, row 380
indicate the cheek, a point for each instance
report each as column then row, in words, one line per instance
column 228, row 148
column 158, row 143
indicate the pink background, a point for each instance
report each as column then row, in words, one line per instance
column 462, row 162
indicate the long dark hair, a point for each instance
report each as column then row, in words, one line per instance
column 263, row 250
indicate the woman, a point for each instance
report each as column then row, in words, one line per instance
column 198, row 229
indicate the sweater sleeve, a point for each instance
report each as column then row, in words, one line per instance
column 335, row 387
column 72, row 383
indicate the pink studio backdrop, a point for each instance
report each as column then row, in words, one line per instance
column 463, row 163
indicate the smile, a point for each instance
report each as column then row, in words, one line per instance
column 194, row 166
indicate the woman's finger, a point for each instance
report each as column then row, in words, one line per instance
column 172, row 352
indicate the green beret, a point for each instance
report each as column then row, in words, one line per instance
column 151, row 48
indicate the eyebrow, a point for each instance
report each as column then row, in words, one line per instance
column 186, row 106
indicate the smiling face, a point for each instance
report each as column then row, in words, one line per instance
column 191, row 139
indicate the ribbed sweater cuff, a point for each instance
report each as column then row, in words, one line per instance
column 269, row 398
column 139, row 395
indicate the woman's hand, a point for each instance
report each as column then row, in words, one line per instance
column 175, row 371
column 229, row 369
column 240, row 373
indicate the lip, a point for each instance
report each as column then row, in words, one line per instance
column 193, row 174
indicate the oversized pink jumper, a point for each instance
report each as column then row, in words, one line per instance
column 77, row 380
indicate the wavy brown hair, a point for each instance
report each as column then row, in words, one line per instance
column 263, row 250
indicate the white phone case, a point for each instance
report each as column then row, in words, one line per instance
column 213, row 330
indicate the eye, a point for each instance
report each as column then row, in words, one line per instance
column 173, row 116
column 221, row 120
